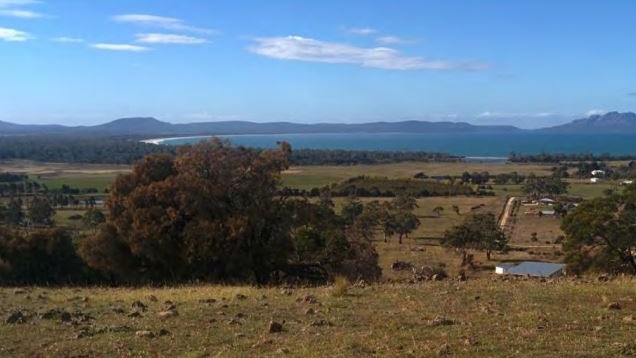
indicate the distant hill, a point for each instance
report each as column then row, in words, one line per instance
column 611, row 122
column 148, row 126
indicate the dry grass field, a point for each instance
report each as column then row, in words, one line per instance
column 476, row 318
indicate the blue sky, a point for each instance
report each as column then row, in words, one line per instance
column 526, row 63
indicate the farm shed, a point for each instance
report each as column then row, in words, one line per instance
column 531, row 268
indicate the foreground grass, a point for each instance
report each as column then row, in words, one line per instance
column 484, row 317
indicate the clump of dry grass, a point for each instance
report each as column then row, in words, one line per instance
column 340, row 286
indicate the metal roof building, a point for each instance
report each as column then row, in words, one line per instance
column 531, row 268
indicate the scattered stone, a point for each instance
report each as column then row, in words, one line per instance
column 603, row 278
column 164, row 332
column 462, row 277
column 321, row 323
column 239, row 335
column 170, row 307
column 468, row 341
column 240, row 296
column 16, row 318
column 84, row 299
column 207, row 300
column 118, row 310
column 232, row 321
column 50, row 314
column 307, row 299
column 440, row 321
column 117, row 329
column 438, row 277
column 168, row 314
column 19, row 291
column 614, row 306
column 401, row 266
column 628, row 319
column 275, row 327
column 360, row 284
column 240, row 315
column 283, row 350
column 152, row 298
column 65, row 317
column 444, row 350
column 310, row 311
column 42, row 297
column 144, row 334
column 287, row 292
column 135, row 314
column 139, row 305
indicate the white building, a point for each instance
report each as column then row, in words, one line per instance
column 531, row 268
column 598, row 172
column 595, row 180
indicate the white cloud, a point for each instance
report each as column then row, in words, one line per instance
column 393, row 40
column 154, row 38
column 595, row 112
column 495, row 114
column 22, row 14
column 13, row 35
column 11, row 3
column 13, row 8
column 306, row 49
column 169, row 23
column 119, row 47
column 363, row 31
column 68, row 39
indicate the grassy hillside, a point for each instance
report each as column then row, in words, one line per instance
column 487, row 318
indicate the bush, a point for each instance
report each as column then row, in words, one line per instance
column 340, row 286
column 42, row 257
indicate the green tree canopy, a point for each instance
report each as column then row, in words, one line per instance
column 477, row 232
column 601, row 234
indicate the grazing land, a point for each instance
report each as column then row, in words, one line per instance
column 564, row 318
column 399, row 316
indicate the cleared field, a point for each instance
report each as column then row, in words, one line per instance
column 476, row 318
column 54, row 175
column 307, row 177
column 433, row 226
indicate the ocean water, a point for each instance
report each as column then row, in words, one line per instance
column 463, row 144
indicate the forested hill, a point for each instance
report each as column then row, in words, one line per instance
column 148, row 126
column 611, row 122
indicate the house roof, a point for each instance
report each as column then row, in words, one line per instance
column 535, row 268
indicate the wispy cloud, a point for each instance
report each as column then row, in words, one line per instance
column 362, row 31
column 66, row 39
column 163, row 22
column 155, row 38
column 595, row 112
column 306, row 49
column 22, row 14
column 13, row 8
column 393, row 40
column 119, row 47
column 11, row 3
column 13, row 35
column 495, row 114
column 632, row 94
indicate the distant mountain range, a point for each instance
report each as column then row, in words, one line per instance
column 612, row 122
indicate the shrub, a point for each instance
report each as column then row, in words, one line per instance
column 340, row 286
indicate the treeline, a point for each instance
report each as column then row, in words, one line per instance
column 212, row 213
column 563, row 157
column 77, row 149
column 350, row 157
